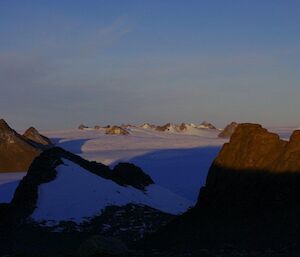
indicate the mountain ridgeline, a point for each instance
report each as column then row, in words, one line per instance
column 251, row 199
column 43, row 170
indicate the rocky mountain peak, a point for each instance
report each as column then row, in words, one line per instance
column 4, row 126
column 16, row 153
column 228, row 130
column 34, row 136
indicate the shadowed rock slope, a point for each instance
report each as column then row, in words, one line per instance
column 251, row 198
column 16, row 153
column 43, row 170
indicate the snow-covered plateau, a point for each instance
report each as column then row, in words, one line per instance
column 177, row 162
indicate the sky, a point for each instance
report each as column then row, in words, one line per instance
column 66, row 62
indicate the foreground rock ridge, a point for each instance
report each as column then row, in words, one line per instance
column 251, row 198
column 16, row 152
column 43, row 170
column 252, row 147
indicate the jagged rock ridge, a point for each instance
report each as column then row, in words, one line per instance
column 16, row 153
column 228, row 130
column 35, row 137
column 251, row 198
column 116, row 130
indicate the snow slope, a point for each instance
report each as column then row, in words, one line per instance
column 176, row 161
column 77, row 194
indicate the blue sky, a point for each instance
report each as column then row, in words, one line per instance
column 101, row 62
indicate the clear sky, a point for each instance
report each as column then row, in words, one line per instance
column 101, row 62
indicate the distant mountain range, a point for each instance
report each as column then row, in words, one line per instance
column 168, row 127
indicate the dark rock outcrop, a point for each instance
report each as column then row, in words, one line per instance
column 132, row 175
column 183, row 127
column 251, row 199
column 116, row 130
column 16, row 153
column 35, row 137
column 166, row 127
column 207, row 125
column 102, row 246
column 228, row 130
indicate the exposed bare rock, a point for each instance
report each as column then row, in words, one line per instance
column 34, row 136
column 97, row 127
column 147, row 126
column 43, row 170
column 251, row 198
column 207, row 125
column 116, row 130
column 16, row 153
column 252, row 147
column 183, row 127
column 166, row 128
column 228, row 130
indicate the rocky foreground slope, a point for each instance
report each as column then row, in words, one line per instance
column 251, row 199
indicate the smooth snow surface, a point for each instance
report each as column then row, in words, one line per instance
column 77, row 194
column 176, row 161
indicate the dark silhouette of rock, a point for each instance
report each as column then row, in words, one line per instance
column 34, row 136
column 16, row 153
column 116, row 130
column 43, row 170
column 228, row 130
column 102, row 246
column 251, row 199
column 131, row 174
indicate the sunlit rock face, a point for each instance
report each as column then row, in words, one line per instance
column 207, row 125
column 228, row 130
column 252, row 147
column 251, row 198
column 116, row 130
column 35, row 137
column 16, row 153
